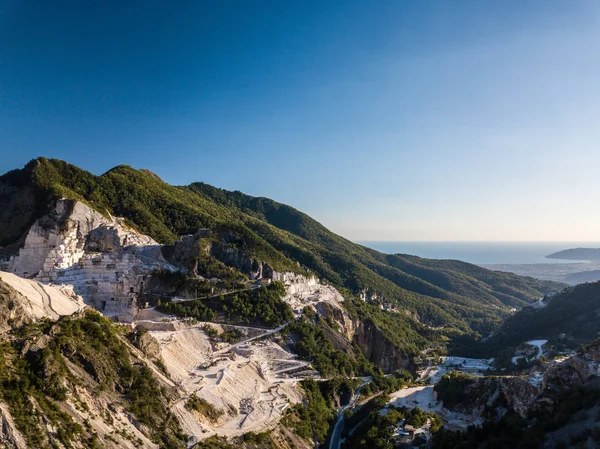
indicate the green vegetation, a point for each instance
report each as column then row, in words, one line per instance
column 188, row 309
column 570, row 318
column 34, row 382
column 387, row 383
column 456, row 388
column 231, row 336
column 456, row 297
column 354, row 417
column 175, row 283
column 405, row 332
column 313, row 344
column 315, row 418
column 250, row 440
column 520, row 433
column 204, row 408
column 260, row 306
column 376, row 430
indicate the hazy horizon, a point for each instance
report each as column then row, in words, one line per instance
column 494, row 253
column 396, row 121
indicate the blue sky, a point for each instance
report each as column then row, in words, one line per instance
column 400, row 120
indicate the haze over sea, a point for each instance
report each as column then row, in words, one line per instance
column 482, row 253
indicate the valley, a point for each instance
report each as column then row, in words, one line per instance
column 205, row 318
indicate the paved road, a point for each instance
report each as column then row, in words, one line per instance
column 336, row 435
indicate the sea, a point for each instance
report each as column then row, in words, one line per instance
column 483, row 253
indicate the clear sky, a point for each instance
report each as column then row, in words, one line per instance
column 399, row 120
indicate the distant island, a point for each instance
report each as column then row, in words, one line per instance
column 577, row 254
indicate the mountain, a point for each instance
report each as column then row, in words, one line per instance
column 555, row 405
column 577, row 254
column 570, row 317
column 71, row 378
column 583, row 276
column 240, row 321
column 460, row 298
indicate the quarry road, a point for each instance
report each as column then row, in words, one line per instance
column 256, row 337
column 165, row 319
column 336, row 435
column 426, row 373
column 216, row 295
column 297, row 365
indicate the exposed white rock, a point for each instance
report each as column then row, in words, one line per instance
column 44, row 301
column 526, row 353
column 248, row 381
column 56, row 240
column 539, row 304
column 302, row 291
column 104, row 260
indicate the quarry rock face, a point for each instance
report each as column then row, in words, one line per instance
column 295, row 283
column 56, row 240
column 113, row 237
column 106, row 262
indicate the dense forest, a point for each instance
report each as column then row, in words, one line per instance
column 569, row 318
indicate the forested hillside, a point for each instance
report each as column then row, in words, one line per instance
column 454, row 297
column 570, row 317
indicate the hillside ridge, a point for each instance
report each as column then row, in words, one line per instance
column 459, row 297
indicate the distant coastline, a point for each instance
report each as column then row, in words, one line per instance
column 580, row 254
column 485, row 253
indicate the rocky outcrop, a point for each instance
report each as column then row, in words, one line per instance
column 25, row 300
column 10, row 437
column 186, row 252
column 538, row 392
column 220, row 244
column 105, row 261
column 378, row 349
column 238, row 259
column 336, row 312
column 575, row 371
column 17, row 213
column 519, row 394
column 369, row 295
column 591, row 351
column 500, row 393
column 56, row 240
column 114, row 237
